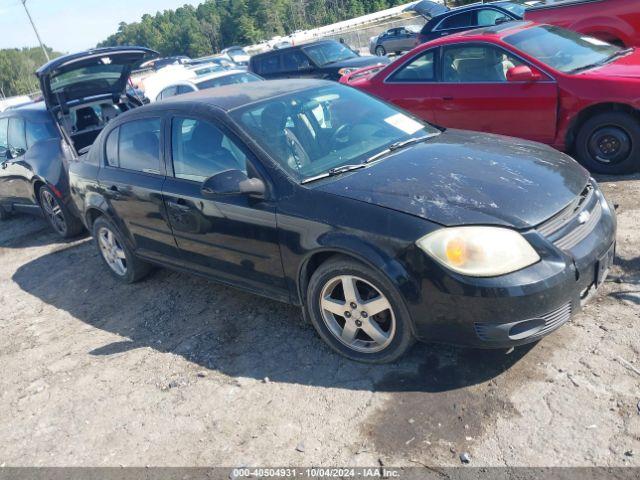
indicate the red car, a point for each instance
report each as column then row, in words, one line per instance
column 539, row 82
column 614, row 21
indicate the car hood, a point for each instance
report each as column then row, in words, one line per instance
column 462, row 178
column 627, row 66
column 357, row 62
column 101, row 71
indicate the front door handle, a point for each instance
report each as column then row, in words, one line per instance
column 179, row 204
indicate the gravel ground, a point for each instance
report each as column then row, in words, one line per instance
column 178, row 371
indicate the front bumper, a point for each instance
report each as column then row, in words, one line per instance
column 523, row 306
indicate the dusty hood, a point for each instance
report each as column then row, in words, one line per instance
column 102, row 71
column 462, row 178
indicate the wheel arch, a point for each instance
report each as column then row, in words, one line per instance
column 582, row 116
column 368, row 256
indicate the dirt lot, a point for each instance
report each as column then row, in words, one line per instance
column 180, row 371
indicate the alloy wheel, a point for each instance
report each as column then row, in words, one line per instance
column 380, row 51
column 112, row 251
column 53, row 211
column 357, row 314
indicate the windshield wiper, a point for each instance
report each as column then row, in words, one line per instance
column 397, row 146
column 332, row 172
column 619, row 53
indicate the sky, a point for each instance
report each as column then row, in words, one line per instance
column 72, row 25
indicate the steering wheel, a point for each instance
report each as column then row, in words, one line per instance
column 341, row 136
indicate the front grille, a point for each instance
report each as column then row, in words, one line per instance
column 565, row 229
column 495, row 332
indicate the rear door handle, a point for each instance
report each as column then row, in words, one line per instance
column 447, row 98
column 179, row 204
column 113, row 191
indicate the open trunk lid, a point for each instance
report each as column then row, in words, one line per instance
column 97, row 72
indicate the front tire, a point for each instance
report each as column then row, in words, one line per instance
column 358, row 312
column 380, row 51
column 62, row 221
column 120, row 260
column 609, row 143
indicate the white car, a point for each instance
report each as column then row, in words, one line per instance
column 217, row 79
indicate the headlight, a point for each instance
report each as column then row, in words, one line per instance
column 346, row 71
column 479, row 251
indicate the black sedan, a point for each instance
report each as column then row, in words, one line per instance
column 382, row 228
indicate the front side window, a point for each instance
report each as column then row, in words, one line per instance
column 139, row 146
column 563, row 50
column 419, row 69
column 476, row 64
column 17, row 135
column 314, row 130
column 200, row 150
column 489, row 16
column 329, row 52
column 4, row 141
column 37, row 132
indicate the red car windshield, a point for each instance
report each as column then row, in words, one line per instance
column 563, row 50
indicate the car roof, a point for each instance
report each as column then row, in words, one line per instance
column 230, row 97
column 291, row 47
column 35, row 111
column 471, row 6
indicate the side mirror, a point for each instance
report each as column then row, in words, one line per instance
column 501, row 20
column 232, row 182
column 522, row 73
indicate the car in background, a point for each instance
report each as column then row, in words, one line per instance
column 381, row 227
column 324, row 59
column 33, row 168
column 614, row 21
column 395, row 40
column 538, row 82
column 237, row 55
column 212, row 80
column 468, row 17
column 222, row 62
column 159, row 63
column 14, row 102
column 205, row 68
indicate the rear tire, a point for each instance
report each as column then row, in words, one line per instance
column 358, row 312
column 119, row 259
column 59, row 216
column 609, row 143
column 380, row 51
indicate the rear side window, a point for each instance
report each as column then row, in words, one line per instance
column 37, row 132
column 111, row 148
column 184, row 89
column 17, row 135
column 461, row 20
column 293, row 60
column 489, row 16
column 138, row 146
column 268, row 64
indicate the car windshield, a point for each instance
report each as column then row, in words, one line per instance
column 228, row 80
column 563, row 50
column 329, row 52
column 313, row 131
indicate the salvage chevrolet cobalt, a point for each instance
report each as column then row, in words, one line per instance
column 381, row 227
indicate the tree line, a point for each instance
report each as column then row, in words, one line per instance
column 17, row 68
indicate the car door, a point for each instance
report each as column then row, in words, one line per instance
column 413, row 86
column 131, row 179
column 391, row 40
column 476, row 94
column 232, row 238
column 17, row 171
column 295, row 64
column 5, row 197
column 406, row 40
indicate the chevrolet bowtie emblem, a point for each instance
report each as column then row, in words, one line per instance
column 584, row 217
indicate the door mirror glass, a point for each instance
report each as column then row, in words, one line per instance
column 232, row 182
column 521, row 73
